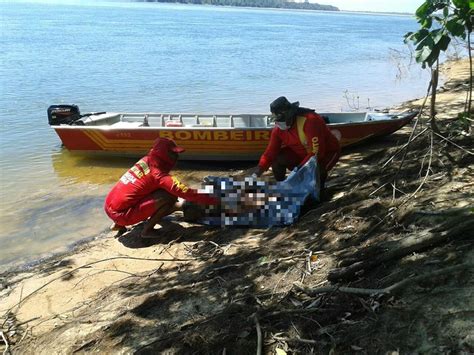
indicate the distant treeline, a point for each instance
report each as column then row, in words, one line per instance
column 279, row 4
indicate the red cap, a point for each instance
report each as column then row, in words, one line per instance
column 166, row 145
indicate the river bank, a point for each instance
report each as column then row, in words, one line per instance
column 58, row 199
column 322, row 284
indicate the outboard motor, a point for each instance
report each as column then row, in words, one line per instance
column 63, row 114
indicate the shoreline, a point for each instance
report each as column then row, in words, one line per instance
column 74, row 246
column 68, row 250
column 70, row 247
column 39, row 214
column 110, row 294
column 355, row 12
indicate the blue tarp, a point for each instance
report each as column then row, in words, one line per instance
column 254, row 202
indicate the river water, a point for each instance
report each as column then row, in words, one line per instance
column 169, row 58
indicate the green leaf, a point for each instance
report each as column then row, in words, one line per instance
column 463, row 13
column 421, row 34
column 433, row 57
column 416, row 37
column 443, row 43
column 422, row 54
column 439, row 5
column 441, row 39
column 426, row 42
column 446, row 11
column 461, row 3
column 471, row 5
column 427, row 22
column 455, row 27
column 422, row 11
column 436, row 35
column 427, row 51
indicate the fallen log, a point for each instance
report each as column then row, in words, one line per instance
column 382, row 291
column 414, row 243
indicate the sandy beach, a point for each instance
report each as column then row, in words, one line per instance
column 211, row 290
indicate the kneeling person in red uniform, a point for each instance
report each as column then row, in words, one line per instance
column 299, row 134
column 148, row 190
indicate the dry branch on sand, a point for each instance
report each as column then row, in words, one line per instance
column 411, row 244
column 386, row 290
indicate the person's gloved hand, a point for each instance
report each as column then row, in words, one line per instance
column 255, row 172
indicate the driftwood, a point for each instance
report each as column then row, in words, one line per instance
column 296, row 340
column 259, row 335
column 7, row 345
column 382, row 291
column 413, row 243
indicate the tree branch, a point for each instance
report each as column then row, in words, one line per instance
column 259, row 335
column 409, row 245
column 382, row 291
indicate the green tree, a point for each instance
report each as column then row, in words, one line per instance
column 441, row 20
column 256, row 3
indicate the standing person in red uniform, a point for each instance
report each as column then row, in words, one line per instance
column 299, row 134
column 148, row 190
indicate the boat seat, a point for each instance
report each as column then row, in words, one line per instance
column 241, row 121
column 258, row 121
column 223, row 121
column 189, row 121
column 154, row 121
column 206, row 121
column 125, row 124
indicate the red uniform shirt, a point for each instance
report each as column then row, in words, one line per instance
column 143, row 179
column 319, row 141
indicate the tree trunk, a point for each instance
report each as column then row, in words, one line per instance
column 470, row 76
column 434, row 86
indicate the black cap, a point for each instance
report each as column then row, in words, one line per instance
column 284, row 111
column 282, row 105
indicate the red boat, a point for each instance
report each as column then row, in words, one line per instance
column 204, row 136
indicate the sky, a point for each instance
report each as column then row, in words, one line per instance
column 374, row 5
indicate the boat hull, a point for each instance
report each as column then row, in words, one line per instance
column 205, row 143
